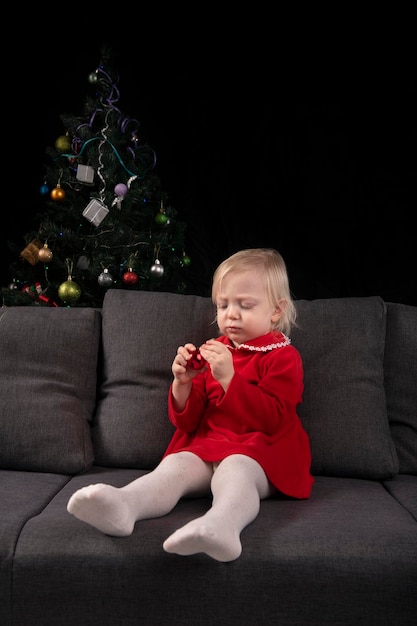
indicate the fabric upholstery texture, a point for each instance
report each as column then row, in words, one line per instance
column 317, row 562
column 23, row 495
column 350, row 435
column 48, row 388
column 141, row 334
column 401, row 382
column 345, row 556
column 341, row 342
column 403, row 487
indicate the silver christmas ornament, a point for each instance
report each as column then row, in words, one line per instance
column 157, row 269
column 105, row 279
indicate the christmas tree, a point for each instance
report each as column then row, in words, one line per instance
column 104, row 221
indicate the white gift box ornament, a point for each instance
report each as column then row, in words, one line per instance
column 95, row 212
column 85, row 174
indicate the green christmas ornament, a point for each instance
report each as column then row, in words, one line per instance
column 161, row 218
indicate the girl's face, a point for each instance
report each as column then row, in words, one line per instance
column 243, row 309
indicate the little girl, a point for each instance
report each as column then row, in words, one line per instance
column 237, row 434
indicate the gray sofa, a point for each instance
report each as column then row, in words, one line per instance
column 83, row 399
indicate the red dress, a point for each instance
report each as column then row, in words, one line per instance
column 257, row 415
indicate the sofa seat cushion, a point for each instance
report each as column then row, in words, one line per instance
column 347, row 555
column 403, row 487
column 48, row 384
column 341, row 342
column 23, row 495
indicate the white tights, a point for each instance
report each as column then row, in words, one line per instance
column 238, row 484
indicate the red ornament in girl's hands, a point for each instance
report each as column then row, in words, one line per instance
column 197, row 362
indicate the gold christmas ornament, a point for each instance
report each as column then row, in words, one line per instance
column 63, row 143
column 45, row 254
column 69, row 292
column 58, row 194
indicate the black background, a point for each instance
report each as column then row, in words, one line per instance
column 263, row 137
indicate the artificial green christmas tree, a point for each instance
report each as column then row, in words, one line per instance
column 105, row 221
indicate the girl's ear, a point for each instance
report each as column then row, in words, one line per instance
column 278, row 311
column 276, row 315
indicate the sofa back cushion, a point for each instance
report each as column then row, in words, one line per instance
column 141, row 333
column 341, row 341
column 48, row 376
column 401, row 382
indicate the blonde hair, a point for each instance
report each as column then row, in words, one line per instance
column 272, row 267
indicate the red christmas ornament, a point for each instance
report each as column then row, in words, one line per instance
column 130, row 277
column 197, row 361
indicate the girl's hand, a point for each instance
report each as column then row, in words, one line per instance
column 181, row 367
column 219, row 357
column 196, row 362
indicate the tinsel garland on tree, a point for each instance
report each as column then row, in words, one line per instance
column 105, row 222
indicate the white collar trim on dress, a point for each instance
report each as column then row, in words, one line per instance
column 271, row 346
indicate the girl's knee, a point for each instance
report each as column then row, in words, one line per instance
column 250, row 471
